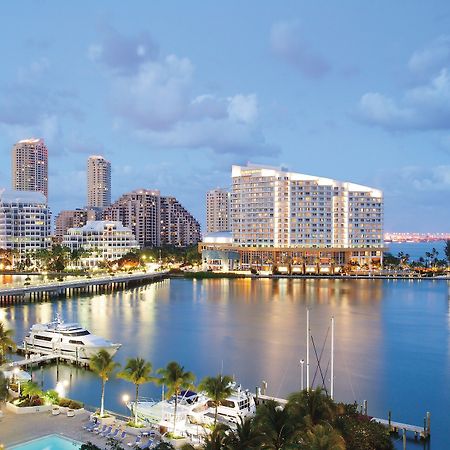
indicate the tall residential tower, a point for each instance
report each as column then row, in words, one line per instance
column 30, row 166
column 217, row 210
column 98, row 182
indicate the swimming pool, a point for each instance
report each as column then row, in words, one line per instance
column 50, row 442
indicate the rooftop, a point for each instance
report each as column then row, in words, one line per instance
column 11, row 196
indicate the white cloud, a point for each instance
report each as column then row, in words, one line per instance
column 243, row 108
column 432, row 57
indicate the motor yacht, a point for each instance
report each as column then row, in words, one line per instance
column 69, row 339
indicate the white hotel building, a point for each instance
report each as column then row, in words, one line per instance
column 302, row 223
column 103, row 240
column 24, row 221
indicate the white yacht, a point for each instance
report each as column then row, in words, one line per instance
column 196, row 409
column 69, row 339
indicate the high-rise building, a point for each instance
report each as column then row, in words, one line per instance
column 217, row 210
column 98, row 182
column 139, row 210
column 178, row 225
column 24, row 221
column 154, row 220
column 30, row 166
column 282, row 217
column 66, row 219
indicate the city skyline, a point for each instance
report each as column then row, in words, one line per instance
column 345, row 101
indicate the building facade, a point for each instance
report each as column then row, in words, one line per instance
column 154, row 219
column 66, row 219
column 139, row 210
column 303, row 223
column 24, row 222
column 178, row 226
column 98, row 182
column 217, row 211
column 30, row 166
column 102, row 240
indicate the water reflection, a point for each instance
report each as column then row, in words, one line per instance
column 392, row 337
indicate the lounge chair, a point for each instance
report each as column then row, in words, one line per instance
column 99, row 430
column 147, row 445
column 121, row 437
column 136, row 442
column 106, row 432
column 112, row 435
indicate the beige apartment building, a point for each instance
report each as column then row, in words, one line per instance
column 217, row 210
column 98, row 182
column 74, row 218
column 302, row 223
column 30, row 166
column 154, row 219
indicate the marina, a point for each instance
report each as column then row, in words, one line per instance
column 232, row 322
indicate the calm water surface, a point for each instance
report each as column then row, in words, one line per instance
column 392, row 338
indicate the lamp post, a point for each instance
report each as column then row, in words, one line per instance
column 16, row 376
column 125, row 399
column 302, row 362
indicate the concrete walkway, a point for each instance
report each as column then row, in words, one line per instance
column 17, row 428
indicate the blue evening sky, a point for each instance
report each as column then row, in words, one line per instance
column 175, row 92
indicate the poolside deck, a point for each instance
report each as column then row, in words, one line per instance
column 17, row 428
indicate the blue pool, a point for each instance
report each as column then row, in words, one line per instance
column 51, row 442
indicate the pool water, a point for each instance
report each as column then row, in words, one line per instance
column 51, row 442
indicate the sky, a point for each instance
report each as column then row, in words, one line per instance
column 173, row 93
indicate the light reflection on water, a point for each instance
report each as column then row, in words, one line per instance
column 392, row 337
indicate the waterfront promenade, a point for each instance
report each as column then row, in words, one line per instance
column 38, row 291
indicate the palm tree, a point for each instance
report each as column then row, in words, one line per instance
column 103, row 365
column 218, row 389
column 312, row 403
column 174, row 377
column 246, row 436
column 322, row 437
column 32, row 390
column 5, row 342
column 277, row 429
column 137, row 371
column 3, row 387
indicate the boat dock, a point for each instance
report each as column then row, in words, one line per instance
column 395, row 427
column 66, row 288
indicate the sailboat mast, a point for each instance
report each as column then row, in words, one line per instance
column 332, row 358
column 307, row 349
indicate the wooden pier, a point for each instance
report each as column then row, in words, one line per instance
column 424, row 432
column 66, row 288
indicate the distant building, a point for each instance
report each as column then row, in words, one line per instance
column 302, row 222
column 217, row 211
column 102, row 240
column 30, row 166
column 74, row 218
column 24, row 221
column 178, row 225
column 98, row 182
column 154, row 219
column 139, row 210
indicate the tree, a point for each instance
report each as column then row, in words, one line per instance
column 312, row 403
column 32, row 390
column 322, row 437
column 218, row 389
column 137, row 371
column 217, row 439
column 246, row 436
column 5, row 342
column 103, row 365
column 278, row 431
column 447, row 250
column 175, row 378
column 3, row 387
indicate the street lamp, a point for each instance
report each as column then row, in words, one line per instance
column 302, row 362
column 16, row 376
column 125, row 399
